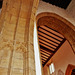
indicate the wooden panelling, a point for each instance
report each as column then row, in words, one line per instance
column 50, row 41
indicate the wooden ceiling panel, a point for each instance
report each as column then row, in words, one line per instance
column 45, row 52
column 50, row 33
column 47, row 46
column 52, row 30
column 50, row 41
column 49, row 37
column 47, row 42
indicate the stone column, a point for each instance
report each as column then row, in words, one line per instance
column 16, row 39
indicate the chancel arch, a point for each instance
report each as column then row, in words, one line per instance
column 59, row 24
column 56, row 24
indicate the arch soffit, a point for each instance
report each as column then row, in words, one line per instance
column 59, row 24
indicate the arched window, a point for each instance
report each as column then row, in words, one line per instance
column 51, row 68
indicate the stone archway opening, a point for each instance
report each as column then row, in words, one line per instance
column 59, row 24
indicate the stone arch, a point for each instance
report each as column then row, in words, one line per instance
column 59, row 24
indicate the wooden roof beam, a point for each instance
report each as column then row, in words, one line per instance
column 55, row 51
column 46, row 49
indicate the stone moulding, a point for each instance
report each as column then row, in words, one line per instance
column 59, row 24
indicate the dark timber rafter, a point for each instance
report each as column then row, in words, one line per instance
column 49, row 35
column 51, row 32
column 44, row 48
column 55, row 51
column 50, row 41
column 47, row 42
column 46, row 45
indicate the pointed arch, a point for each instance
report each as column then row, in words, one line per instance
column 59, row 24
